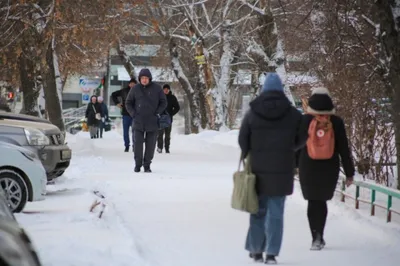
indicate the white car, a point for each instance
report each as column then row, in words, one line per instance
column 22, row 176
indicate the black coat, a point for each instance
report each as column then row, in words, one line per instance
column 144, row 104
column 318, row 178
column 119, row 97
column 91, row 114
column 269, row 134
column 173, row 105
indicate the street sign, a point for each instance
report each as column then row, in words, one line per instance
column 85, row 98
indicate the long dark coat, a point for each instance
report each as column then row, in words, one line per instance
column 91, row 114
column 318, row 178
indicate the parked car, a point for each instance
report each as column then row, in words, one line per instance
column 7, row 115
column 16, row 247
column 22, row 176
column 44, row 139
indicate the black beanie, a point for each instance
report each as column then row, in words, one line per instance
column 166, row 86
column 133, row 80
column 320, row 102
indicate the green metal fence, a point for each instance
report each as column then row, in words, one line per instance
column 390, row 194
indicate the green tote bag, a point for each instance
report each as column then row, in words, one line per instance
column 244, row 196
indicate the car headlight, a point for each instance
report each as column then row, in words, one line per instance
column 12, row 252
column 36, row 137
column 29, row 155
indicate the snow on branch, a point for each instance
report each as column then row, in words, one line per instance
column 374, row 25
column 188, row 4
column 185, row 38
column 253, row 7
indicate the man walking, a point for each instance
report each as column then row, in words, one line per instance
column 145, row 102
column 269, row 134
column 119, row 98
column 172, row 109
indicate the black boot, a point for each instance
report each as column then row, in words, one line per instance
column 257, row 257
column 137, row 169
column 147, row 169
column 126, row 149
column 317, row 243
column 270, row 259
column 166, row 150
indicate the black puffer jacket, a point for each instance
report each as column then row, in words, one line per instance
column 173, row 105
column 269, row 134
column 119, row 97
column 146, row 103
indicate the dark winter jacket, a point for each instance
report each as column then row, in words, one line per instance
column 119, row 97
column 91, row 111
column 104, row 110
column 318, row 178
column 269, row 134
column 173, row 105
column 145, row 104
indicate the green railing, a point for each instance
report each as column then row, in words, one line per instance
column 390, row 193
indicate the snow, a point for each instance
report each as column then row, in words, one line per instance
column 243, row 77
column 180, row 214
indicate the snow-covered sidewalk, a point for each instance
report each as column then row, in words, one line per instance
column 180, row 214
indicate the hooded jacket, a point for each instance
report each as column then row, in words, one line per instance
column 145, row 103
column 173, row 106
column 269, row 134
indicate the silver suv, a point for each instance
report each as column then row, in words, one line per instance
column 45, row 139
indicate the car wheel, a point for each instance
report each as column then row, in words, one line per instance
column 15, row 189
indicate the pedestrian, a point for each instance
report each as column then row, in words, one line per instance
column 145, row 102
column 93, row 116
column 119, row 99
column 104, row 117
column 269, row 134
column 319, row 168
column 172, row 109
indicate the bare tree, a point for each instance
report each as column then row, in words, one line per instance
column 40, row 31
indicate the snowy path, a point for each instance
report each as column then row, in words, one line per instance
column 180, row 214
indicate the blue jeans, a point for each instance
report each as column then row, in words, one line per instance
column 266, row 227
column 127, row 123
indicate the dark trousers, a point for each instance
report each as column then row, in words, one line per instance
column 100, row 129
column 317, row 213
column 149, row 139
column 127, row 123
column 160, row 140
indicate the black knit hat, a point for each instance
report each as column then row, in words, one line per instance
column 133, row 80
column 166, row 86
column 320, row 102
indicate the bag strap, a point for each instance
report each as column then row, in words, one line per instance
column 94, row 109
column 246, row 166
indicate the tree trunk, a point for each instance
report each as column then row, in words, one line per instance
column 187, row 88
column 130, row 68
column 29, row 89
column 390, row 39
column 50, row 91
column 204, row 106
